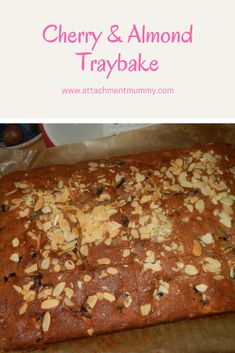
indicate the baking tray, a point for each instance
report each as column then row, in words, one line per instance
column 205, row 335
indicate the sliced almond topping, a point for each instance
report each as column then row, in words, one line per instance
column 145, row 199
column 60, row 184
column 46, row 226
column 79, row 284
column 69, row 265
column 46, row 321
column 108, row 296
column 38, row 204
column 232, row 272
column 225, row 219
column 100, row 295
column 200, row 206
column 68, row 302
column 58, row 289
column 15, row 242
column 45, row 263
column 57, row 268
column 87, row 278
column 207, row 239
column 145, row 309
column 93, row 164
column 211, row 265
column 190, row 270
column 135, row 233
column 32, row 268
column 69, row 292
column 84, row 250
column 15, row 257
column 201, row 287
column 90, row 331
column 72, row 218
column 218, row 277
column 17, row 288
column 197, row 248
column 46, row 209
column 24, row 213
column 103, row 261
column 126, row 253
column 23, row 309
column 139, row 177
column 50, row 303
column 112, row 270
column 64, row 225
column 92, row 300
column 127, row 300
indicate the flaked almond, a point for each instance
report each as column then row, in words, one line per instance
column 23, row 309
column 68, row 302
column 189, row 207
column 69, row 292
column 179, row 162
column 72, row 218
column 190, row 270
column 232, row 272
column 108, row 296
column 46, row 321
column 32, row 268
column 58, row 289
column 24, row 213
column 69, row 265
column 112, row 270
column 93, row 164
column 17, row 288
column 135, row 233
column 225, row 219
column 15, row 242
column 145, row 198
column 207, row 238
column 64, row 225
column 169, row 174
column 104, row 261
column 218, row 277
column 46, row 226
column 45, row 263
column 38, row 204
column 232, row 170
column 50, row 303
column 197, row 248
column 155, row 267
column 127, row 300
column 211, row 265
column 126, row 253
column 139, row 177
column 15, row 257
column 57, row 268
column 90, row 331
column 60, row 184
column 79, row 284
column 87, row 278
column 92, row 300
column 46, row 209
column 145, row 309
column 84, row 250
column 200, row 206
column 201, row 287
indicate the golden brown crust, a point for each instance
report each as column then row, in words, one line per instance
column 105, row 245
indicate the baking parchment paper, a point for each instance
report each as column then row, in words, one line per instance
column 206, row 335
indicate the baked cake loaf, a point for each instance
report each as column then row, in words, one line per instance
column 112, row 244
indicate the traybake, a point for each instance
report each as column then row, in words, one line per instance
column 106, row 245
